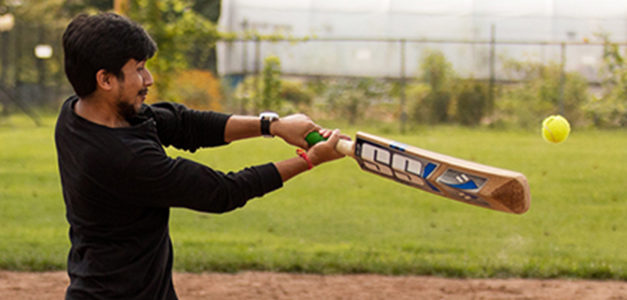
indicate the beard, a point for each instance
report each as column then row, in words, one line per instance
column 128, row 110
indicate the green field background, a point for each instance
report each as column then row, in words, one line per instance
column 339, row 219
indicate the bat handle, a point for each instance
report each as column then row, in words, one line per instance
column 343, row 146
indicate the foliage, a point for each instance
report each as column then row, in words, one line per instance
column 472, row 103
column 538, row 94
column 295, row 92
column 198, row 89
column 416, row 93
column 261, row 93
column 270, row 95
column 178, row 30
column 74, row 7
column 297, row 97
column 208, row 8
column 36, row 22
column 351, row 98
column 175, row 27
column 610, row 110
column 437, row 103
column 243, row 95
column 438, row 73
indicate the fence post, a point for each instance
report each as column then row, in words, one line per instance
column 40, row 64
column 257, row 67
column 403, row 86
column 246, row 86
column 492, row 75
column 562, row 78
column 4, row 57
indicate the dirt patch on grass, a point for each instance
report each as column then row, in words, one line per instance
column 267, row 285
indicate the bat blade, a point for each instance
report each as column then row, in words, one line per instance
column 447, row 176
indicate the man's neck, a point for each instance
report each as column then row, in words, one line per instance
column 99, row 112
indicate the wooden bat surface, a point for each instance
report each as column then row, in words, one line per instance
column 447, row 176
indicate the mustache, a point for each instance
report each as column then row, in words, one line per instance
column 143, row 92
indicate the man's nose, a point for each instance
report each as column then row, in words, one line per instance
column 148, row 80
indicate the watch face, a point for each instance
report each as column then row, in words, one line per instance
column 271, row 116
column 267, row 118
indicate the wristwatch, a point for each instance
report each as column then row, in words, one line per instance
column 266, row 118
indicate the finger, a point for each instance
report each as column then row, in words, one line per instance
column 314, row 128
column 345, row 137
column 334, row 136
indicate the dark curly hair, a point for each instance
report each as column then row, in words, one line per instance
column 103, row 41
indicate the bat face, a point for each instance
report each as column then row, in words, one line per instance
column 443, row 175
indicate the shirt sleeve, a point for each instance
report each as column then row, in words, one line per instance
column 188, row 129
column 154, row 179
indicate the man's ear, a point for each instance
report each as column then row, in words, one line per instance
column 105, row 80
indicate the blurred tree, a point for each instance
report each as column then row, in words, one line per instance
column 74, row 7
column 176, row 28
column 472, row 103
column 201, row 56
column 538, row 94
column 198, row 89
column 270, row 95
column 438, row 73
column 210, row 9
column 351, row 98
column 36, row 22
column 610, row 110
column 183, row 30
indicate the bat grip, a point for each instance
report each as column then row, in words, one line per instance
column 313, row 138
column 343, row 146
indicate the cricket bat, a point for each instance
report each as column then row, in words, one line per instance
column 440, row 174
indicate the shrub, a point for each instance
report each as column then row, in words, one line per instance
column 610, row 110
column 439, row 75
column 472, row 103
column 270, row 95
column 296, row 93
column 416, row 93
column 351, row 98
column 260, row 93
column 437, row 103
column 198, row 89
column 539, row 94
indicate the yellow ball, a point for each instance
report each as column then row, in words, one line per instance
column 555, row 129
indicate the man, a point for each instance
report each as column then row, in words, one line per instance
column 118, row 183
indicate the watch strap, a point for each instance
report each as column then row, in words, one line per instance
column 266, row 118
column 265, row 127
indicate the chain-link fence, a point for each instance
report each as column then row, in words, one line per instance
column 31, row 68
column 400, row 58
column 30, row 79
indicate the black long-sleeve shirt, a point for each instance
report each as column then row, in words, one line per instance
column 118, row 185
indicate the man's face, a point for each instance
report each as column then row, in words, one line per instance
column 133, row 87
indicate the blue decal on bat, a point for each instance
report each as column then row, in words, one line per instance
column 428, row 169
column 398, row 146
column 432, row 186
column 468, row 185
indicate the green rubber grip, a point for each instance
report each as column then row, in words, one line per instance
column 313, row 138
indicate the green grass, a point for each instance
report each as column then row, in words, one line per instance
column 338, row 219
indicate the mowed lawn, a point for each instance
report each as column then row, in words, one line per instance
column 339, row 219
